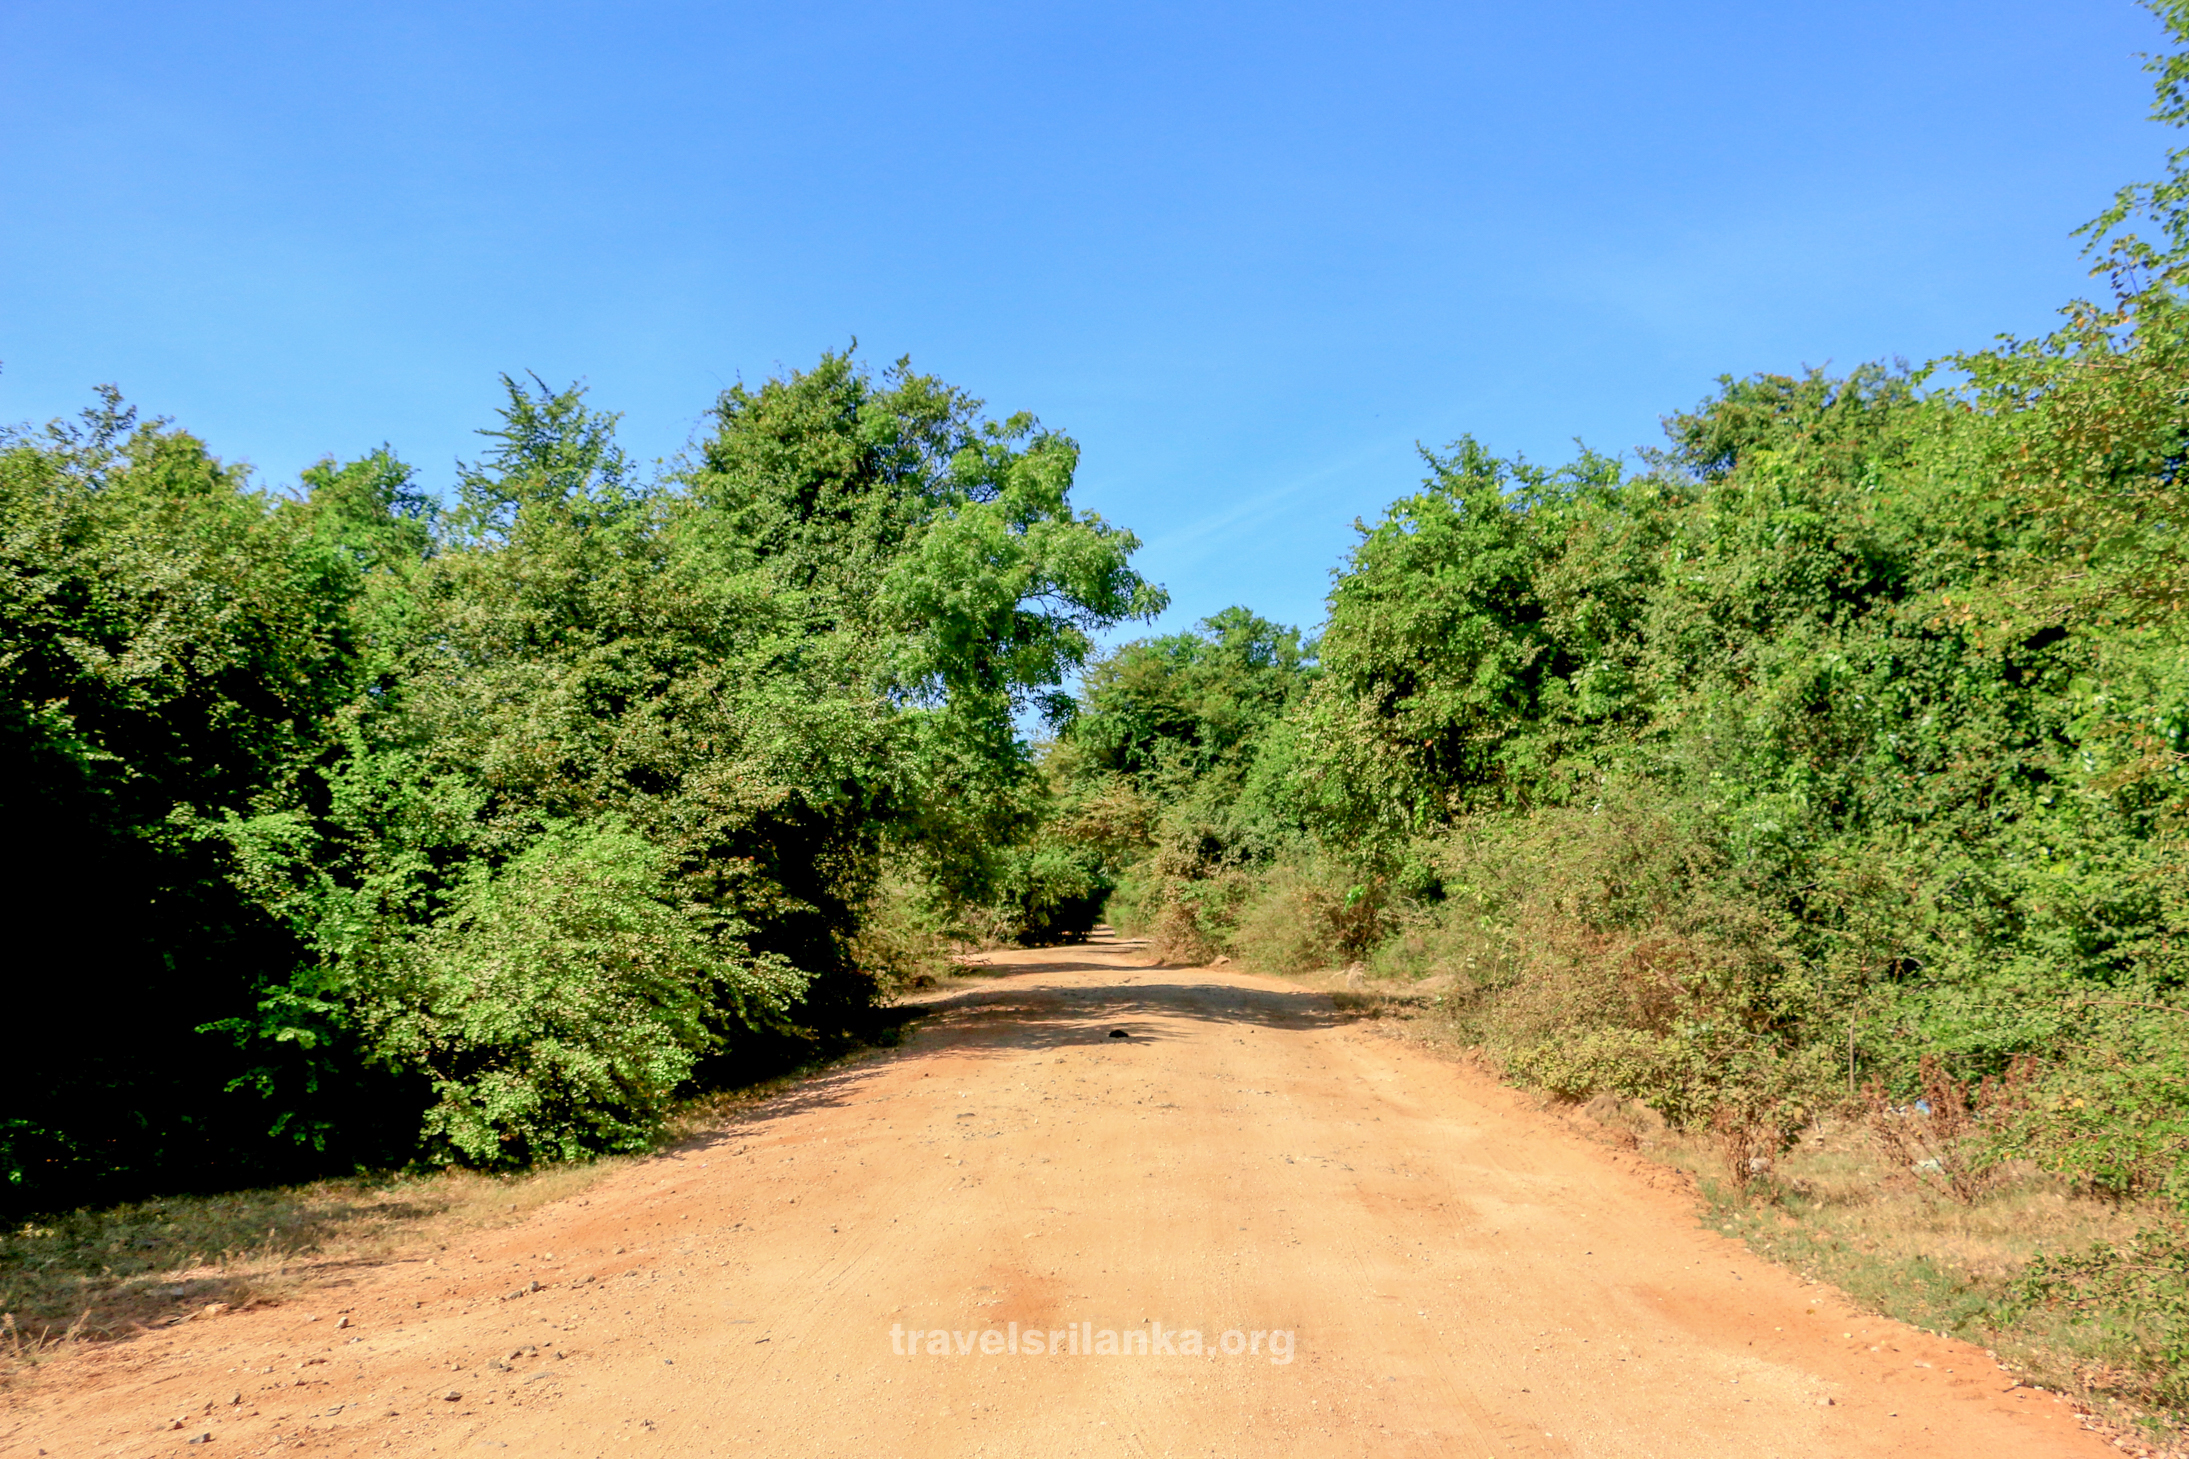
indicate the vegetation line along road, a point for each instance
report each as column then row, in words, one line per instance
column 1250, row 1226
column 1812, row 785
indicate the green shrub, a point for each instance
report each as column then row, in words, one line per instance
column 906, row 933
column 2110, row 1113
column 1610, row 949
column 562, row 1001
column 1308, row 913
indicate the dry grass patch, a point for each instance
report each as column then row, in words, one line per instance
column 1837, row 1208
column 96, row 1274
column 1834, row 1207
column 1356, row 989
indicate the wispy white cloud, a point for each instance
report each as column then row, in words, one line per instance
column 1184, row 544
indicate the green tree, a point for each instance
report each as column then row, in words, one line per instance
column 749, row 681
column 176, row 644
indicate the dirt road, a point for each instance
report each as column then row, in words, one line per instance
column 1411, row 1261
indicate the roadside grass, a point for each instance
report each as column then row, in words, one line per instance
column 1835, row 1209
column 94, row 1275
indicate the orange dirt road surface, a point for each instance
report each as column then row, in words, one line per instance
column 1415, row 1262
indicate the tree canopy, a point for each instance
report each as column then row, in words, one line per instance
column 482, row 829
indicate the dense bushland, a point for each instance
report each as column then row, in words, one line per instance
column 1828, row 758
column 361, row 828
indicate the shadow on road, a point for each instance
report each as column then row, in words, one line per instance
column 1035, row 1018
column 1152, row 1005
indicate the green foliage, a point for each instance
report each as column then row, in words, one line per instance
column 563, row 1000
column 2132, row 1293
column 1164, row 712
column 1057, row 893
column 908, row 936
column 1616, row 948
column 1307, row 911
column 482, row 832
column 1785, row 604
column 173, row 647
column 1843, row 742
column 1164, row 776
column 1449, row 646
column 2112, row 1116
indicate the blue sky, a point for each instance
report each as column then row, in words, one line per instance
column 1247, row 255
